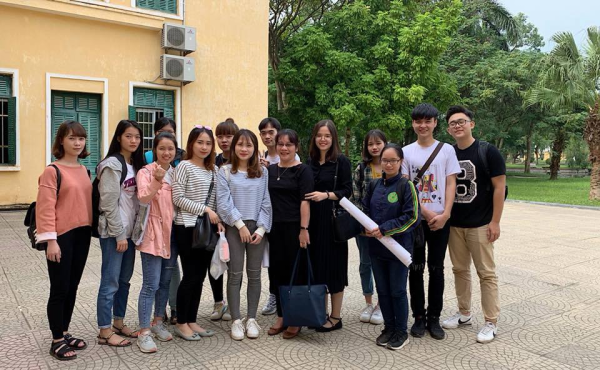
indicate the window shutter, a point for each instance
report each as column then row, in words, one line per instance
column 168, row 112
column 5, row 85
column 168, row 6
column 12, row 130
column 91, row 123
column 131, row 113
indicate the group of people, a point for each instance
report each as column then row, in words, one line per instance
column 269, row 206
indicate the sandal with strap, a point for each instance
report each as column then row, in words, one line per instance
column 104, row 341
column 336, row 326
column 59, row 351
column 132, row 334
column 75, row 342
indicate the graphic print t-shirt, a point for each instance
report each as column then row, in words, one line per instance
column 128, row 201
column 432, row 188
column 473, row 205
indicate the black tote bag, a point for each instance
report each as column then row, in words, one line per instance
column 303, row 305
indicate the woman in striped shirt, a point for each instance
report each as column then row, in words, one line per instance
column 193, row 178
column 245, row 206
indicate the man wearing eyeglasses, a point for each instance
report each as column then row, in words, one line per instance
column 437, row 186
column 475, row 222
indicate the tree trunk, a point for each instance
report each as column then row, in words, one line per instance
column 557, row 148
column 348, row 139
column 591, row 134
column 528, row 150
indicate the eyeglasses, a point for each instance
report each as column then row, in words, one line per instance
column 390, row 161
column 458, row 122
column 204, row 127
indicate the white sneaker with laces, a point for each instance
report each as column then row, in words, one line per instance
column 252, row 329
column 487, row 333
column 377, row 316
column 365, row 315
column 218, row 311
column 271, row 306
column 146, row 343
column 161, row 332
column 457, row 320
column 237, row 330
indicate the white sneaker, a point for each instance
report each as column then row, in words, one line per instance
column 161, row 332
column 487, row 333
column 252, row 329
column 146, row 343
column 237, row 330
column 365, row 315
column 377, row 316
column 227, row 315
column 457, row 320
column 218, row 311
column 271, row 306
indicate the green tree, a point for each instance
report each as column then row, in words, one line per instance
column 367, row 64
column 569, row 84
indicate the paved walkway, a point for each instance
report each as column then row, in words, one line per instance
column 549, row 269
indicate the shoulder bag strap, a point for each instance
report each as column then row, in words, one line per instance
column 437, row 149
column 58, row 179
column 210, row 189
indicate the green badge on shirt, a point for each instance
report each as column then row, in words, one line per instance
column 393, row 197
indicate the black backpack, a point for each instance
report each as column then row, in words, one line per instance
column 96, row 193
column 418, row 235
column 30, row 218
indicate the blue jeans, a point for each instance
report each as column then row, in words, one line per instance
column 173, row 268
column 156, row 278
column 365, row 269
column 390, row 277
column 117, row 269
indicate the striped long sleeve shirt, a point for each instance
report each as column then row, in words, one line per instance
column 240, row 198
column 190, row 188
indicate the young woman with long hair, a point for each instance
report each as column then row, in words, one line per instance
column 368, row 169
column 245, row 206
column 67, row 230
column 154, row 188
column 333, row 181
column 193, row 179
column 118, row 208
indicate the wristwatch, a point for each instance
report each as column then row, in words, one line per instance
column 303, row 228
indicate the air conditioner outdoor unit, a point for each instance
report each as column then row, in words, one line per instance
column 178, row 37
column 177, row 68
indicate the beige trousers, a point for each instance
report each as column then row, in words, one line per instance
column 466, row 244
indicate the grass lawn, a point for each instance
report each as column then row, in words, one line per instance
column 540, row 189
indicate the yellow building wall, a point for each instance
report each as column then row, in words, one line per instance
column 44, row 36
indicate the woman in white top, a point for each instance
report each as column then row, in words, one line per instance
column 245, row 206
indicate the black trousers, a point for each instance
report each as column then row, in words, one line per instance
column 195, row 264
column 283, row 249
column 437, row 243
column 65, row 277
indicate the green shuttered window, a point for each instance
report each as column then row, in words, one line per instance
column 8, row 122
column 167, row 6
column 149, row 105
column 84, row 108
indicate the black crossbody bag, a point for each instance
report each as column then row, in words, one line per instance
column 345, row 227
column 205, row 234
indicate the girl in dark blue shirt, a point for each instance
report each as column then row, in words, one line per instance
column 393, row 204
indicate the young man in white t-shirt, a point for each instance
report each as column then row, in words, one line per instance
column 436, row 195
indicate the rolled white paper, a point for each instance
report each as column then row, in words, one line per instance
column 392, row 245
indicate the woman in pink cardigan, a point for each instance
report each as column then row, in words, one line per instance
column 154, row 191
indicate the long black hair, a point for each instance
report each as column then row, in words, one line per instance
column 137, row 157
column 375, row 134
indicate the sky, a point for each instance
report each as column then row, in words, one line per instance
column 552, row 16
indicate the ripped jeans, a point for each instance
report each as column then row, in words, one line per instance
column 437, row 243
column 237, row 253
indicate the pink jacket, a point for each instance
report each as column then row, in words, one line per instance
column 157, row 237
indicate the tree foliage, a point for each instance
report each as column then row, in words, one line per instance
column 367, row 64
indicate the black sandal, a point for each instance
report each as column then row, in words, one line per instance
column 107, row 343
column 336, row 326
column 59, row 351
column 133, row 334
column 75, row 342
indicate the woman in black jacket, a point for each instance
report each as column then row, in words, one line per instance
column 393, row 204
